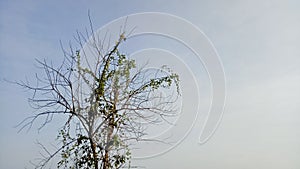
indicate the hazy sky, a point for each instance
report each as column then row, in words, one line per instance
column 258, row 44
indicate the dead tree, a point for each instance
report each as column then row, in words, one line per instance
column 106, row 105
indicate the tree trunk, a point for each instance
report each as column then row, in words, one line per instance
column 95, row 158
column 106, row 164
column 106, row 160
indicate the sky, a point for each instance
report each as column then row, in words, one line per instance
column 257, row 43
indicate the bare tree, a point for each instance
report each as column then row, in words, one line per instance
column 107, row 103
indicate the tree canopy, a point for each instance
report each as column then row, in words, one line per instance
column 107, row 105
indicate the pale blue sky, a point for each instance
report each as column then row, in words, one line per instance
column 258, row 43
